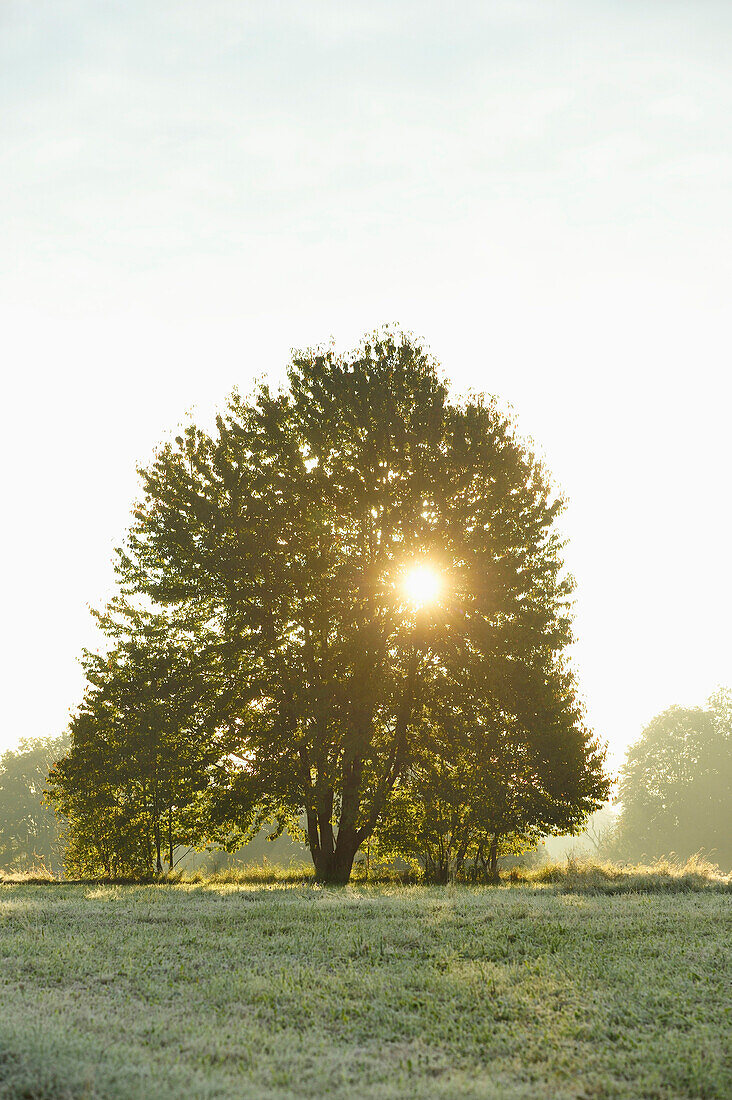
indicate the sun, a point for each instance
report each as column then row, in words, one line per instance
column 422, row 585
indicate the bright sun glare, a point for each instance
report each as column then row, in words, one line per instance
column 422, row 585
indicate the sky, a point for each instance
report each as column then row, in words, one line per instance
column 539, row 189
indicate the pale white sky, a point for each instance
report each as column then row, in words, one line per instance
column 539, row 188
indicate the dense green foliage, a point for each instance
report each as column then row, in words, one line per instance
column 145, row 745
column 29, row 829
column 287, row 533
column 676, row 786
column 129, row 993
column 469, row 800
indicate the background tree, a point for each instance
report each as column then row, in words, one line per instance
column 676, row 786
column 291, row 528
column 29, row 833
column 143, row 748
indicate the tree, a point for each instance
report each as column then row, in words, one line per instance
column 29, row 833
column 289, row 531
column 143, row 748
column 479, row 791
column 676, row 785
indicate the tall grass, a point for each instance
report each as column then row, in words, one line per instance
column 588, row 875
column 572, row 875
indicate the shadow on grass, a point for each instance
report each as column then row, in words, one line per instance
column 34, row 1078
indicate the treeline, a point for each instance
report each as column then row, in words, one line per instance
column 675, row 790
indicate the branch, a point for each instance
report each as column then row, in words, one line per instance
column 396, row 757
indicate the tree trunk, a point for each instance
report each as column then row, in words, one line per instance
column 462, row 851
column 437, row 868
column 170, row 836
column 158, row 848
column 334, row 867
column 493, row 875
column 441, row 874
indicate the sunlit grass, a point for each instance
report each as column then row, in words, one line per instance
column 584, row 874
column 604, row 877
column 234, row 988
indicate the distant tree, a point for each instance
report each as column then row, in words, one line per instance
column 592, row 839
column 143, row 747
column 676, row 785
column 29, row 834
column 291, row 528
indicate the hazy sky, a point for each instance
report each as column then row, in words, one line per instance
column 539, row 188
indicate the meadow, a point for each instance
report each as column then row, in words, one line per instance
column 582, row 985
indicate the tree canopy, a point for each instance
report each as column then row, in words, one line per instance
column 477, row 792
column 676, row 785
column 29, row 831
column 287, row 535
column 144, row 744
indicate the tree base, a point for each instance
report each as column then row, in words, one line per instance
column 335, row 869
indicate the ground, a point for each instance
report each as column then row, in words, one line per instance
column 249, row 991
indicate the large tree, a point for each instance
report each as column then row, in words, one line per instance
column 290, row 530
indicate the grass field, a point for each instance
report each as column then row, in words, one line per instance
column 255, row 991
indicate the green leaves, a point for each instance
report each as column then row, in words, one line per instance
column 29, row 832
column 676, row 785
column 145, row 745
